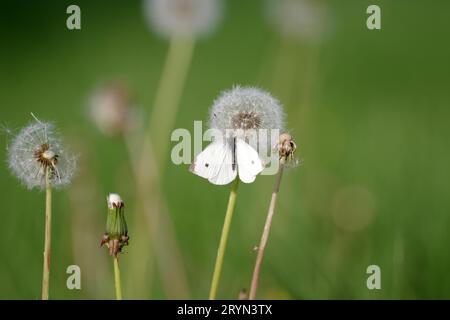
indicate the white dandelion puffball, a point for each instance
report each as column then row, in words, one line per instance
column 301, row 19
column 36, row 150
column 245, row 109
column 183, row 18
column 112, row 110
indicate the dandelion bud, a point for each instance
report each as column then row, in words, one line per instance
column 37, row 151
column 183, row 18
column 116, row 235
column 111, row 109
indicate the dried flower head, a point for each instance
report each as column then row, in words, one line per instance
column 116, row 235
column 244, row 109
column 37, row 149
column 111, row 109
column 300, row 19
column 183, row 18
column 286, row 146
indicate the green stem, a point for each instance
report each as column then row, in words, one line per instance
column 155, row 217
column 168, row 94
column 117, row 279
column 47, row 241
column 223, row 240
column 148, row 158
column 265, row 234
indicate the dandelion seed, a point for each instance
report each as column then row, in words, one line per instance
column 34, row 150
column 183, row 18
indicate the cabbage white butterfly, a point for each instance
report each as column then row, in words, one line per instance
column 222, row 161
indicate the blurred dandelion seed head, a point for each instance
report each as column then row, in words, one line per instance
column 242, row 110
column 37, row 148
column 298, row 19
column 111, row 109
column 183, row 18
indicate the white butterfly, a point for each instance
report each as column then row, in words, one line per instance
column 221, row 161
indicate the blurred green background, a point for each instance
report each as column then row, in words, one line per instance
column 369, row 111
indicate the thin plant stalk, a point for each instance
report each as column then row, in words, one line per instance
column 48, row 229
column 168, row 94
column 149, row 165
column 117, row 282
column 223, row 240
column 156, row 218
column 265, row 234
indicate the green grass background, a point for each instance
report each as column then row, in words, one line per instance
column 369, row 111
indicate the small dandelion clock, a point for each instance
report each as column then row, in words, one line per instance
column 303, row 20
column 38, row 158
column 183, row 18
column 235, row 117
column 112, row 110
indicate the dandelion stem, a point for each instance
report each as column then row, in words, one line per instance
column 117, row 279
column 156, row 218
column 149, row 164
column 168, row 94
column 223, row 240
column 47, row 243
column 265, row 234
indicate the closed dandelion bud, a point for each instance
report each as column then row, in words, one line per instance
column 183, row 18
column 116, row 235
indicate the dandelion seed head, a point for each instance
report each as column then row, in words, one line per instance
column 183, row 18
column 34, row 149
column 286, row 147
column 111, row 109
column 299, row 19
column 244, row 109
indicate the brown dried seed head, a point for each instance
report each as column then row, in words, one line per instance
column 286, row 146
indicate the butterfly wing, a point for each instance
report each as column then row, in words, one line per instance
column 215, row 163
column 248, row 161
